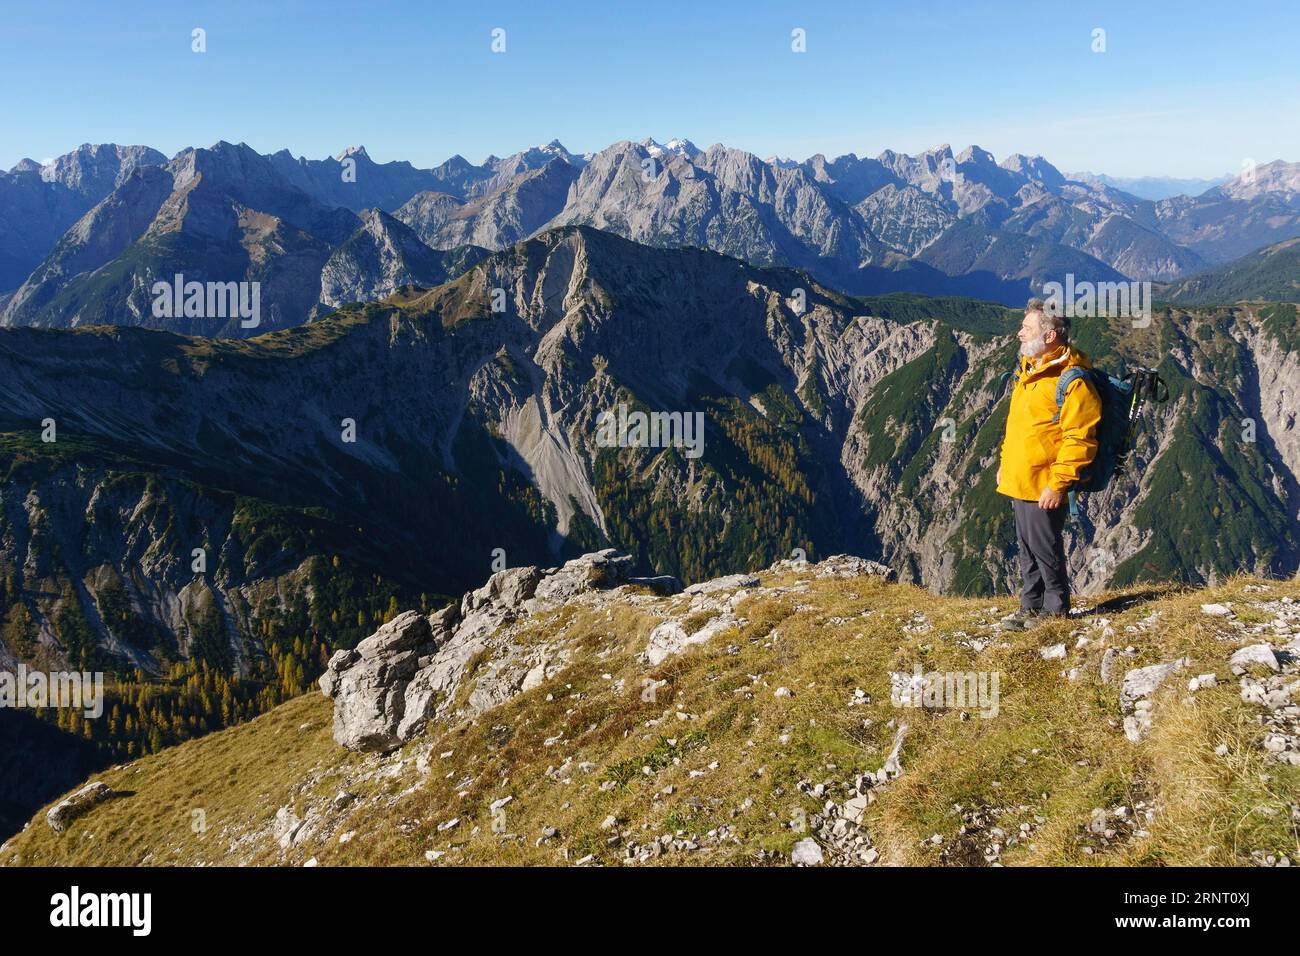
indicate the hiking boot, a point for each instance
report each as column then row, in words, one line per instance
column 1021, row 620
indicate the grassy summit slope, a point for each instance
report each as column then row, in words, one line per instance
column 713, row 766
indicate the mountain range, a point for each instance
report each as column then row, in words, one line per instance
column 207, row 510
column 84, row 239
column 831, row 423
column 1154, row 188
column 39, row 203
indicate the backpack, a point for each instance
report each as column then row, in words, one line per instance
column 1121, row 403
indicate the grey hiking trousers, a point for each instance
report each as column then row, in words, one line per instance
column 1040, row 536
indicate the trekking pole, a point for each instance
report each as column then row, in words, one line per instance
column 1147, row 383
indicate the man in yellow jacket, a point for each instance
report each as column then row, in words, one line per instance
column 1045, row 450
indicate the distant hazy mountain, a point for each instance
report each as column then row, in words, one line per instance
column 674, row 147
column 224, row 214
column 1152, row 187
column 220, row 215
column 460, row 178
column 38, row 203
column 492, row 219
column 1257, row 209
column 352, row 179
column 1271, row 274
column 380, row 258
column 86, row 239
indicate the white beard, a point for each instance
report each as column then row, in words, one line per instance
column 1033, row 348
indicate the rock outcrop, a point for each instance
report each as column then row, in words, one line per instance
column 77, row 805
column 415, row 667
column 411, row 669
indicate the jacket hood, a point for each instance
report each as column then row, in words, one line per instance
column 1056, row 361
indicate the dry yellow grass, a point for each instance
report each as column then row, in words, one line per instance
column 1054, row 753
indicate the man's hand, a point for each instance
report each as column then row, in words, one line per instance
column 1050, row 499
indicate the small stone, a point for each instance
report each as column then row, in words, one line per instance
column 1142, row 682
column 1252, row 691
column 1255, row 654
column 1133, row 729
column 855, row 808
column 807, row 852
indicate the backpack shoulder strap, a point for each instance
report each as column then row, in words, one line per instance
column 1063, row 383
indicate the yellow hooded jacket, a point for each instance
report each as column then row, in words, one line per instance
column 1036, row 451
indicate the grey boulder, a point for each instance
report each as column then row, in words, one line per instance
column 80, row 803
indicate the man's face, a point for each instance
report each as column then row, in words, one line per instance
column 1032, row 339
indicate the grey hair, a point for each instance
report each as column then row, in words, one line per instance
column 1052, row 320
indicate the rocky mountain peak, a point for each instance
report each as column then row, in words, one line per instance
column 1036, row 168
column 1278, row 179
column 94, row 170
column 674, row 147
column 383, row 255
column 556, row 148
column 782, row 162
column 977, row 156
column 456, row 162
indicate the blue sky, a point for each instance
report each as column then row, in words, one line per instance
column 1183, row 89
